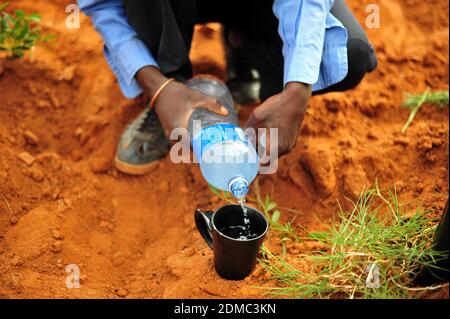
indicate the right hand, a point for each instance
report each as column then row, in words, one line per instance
column 177, row 101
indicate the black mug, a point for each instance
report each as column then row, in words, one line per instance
column 234, row 259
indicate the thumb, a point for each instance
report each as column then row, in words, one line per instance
column 258, row 115
column 252, row 121
column 212, row 105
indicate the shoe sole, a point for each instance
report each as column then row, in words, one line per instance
column 134, row 169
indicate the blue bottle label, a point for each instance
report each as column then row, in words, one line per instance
column 216, row 133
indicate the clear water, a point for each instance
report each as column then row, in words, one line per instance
column 238, row 232
column 226, row 160
column 242, row 202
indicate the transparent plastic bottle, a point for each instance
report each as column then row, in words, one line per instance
column 228, row 161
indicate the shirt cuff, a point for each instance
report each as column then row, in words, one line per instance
column 126, row 61
column 301, row 64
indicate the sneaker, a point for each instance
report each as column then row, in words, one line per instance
column 141, row 145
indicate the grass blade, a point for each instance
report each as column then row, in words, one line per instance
column 415, row 110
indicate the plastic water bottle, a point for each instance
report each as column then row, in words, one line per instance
column 228, row 161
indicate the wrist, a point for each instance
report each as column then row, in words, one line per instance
column 150, row 79
column 297, row 89
column 297, row 95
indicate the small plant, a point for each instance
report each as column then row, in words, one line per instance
column 373, row 252
column 19, row 31
column 414, row 102
column 283, row 230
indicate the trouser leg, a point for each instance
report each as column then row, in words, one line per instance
column 440, row 243
column 166, row 27
column 361, row 55
column 438, row 269
column 264, row 49
column 261, row 44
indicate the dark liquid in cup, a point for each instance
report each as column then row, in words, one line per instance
column 238, row 232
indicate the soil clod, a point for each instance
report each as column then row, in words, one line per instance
column 27, row 158
column 56, row 246
column 30, row 138
column 319, row 163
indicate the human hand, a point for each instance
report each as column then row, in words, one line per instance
column 284, row 111
column 177, row 101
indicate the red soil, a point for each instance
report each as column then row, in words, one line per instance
column 135, row 236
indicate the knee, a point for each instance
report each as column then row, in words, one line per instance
column 361, row 60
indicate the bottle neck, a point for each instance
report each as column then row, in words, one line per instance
column 238, row 187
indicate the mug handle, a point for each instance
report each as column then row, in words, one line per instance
column 203, row 223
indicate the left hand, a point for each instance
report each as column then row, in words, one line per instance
column 284, row 111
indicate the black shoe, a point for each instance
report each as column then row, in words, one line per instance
column 242, row 79
column 437, row 271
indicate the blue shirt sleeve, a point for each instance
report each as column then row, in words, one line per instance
column 302, row 26
column 125, row 53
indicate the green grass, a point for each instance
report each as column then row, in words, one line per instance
column 19, row 31
column 283, row 230
column 372, row 237
column 414, row 103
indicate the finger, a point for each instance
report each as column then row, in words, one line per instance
column 212, row 105
column 286, row 147
column 218, row 108
column 252, row 122
column 261, row 113
column 262, row 142
column 268, row 141
column 282, row 150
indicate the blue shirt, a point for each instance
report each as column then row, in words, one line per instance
column 314, row 42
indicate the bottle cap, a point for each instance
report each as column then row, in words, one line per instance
column 238, row 186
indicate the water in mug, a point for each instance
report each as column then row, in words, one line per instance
column 240, row 232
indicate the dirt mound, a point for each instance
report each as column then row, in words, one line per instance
column 62, row 202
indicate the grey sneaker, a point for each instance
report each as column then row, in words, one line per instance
column 141, row 145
